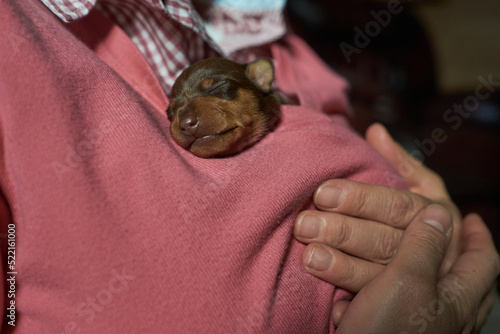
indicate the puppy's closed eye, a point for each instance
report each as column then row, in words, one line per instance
column 216, row 86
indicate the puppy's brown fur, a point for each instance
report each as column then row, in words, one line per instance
column 219, row 108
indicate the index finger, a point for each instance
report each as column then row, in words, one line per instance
column 379, row 203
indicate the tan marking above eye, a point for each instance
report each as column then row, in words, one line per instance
column 207, row 83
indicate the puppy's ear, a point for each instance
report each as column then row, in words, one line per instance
column 261, row 72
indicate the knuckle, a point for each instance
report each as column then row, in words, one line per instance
column 401, row 208
column 429, row 173
column 437, row 179
column 348, row 272
column 341, row 232
column 436, row 184
column 465, row 306
column 355, row 196
column 356, row 201
column 430, row 243
column 386, row 246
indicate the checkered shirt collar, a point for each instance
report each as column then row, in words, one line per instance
column 180, row 10
column 175, row 36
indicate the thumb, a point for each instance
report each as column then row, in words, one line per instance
column 407, row 282
column 424, row 243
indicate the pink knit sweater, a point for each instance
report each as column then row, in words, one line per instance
column 118, row 230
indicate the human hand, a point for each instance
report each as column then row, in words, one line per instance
column 357, row 236
column 410, row 296
column 355, row 240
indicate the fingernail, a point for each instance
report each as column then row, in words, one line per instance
column 329, row 197
column 437, row 216
column 309, row 226
column 319, row 259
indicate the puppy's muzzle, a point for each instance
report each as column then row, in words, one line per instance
column 188, row 124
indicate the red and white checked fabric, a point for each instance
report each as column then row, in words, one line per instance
column 169, row 33
column 70, row 10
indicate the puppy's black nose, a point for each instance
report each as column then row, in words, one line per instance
column 188, row 124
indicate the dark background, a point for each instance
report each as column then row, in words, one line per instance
column 395, row 80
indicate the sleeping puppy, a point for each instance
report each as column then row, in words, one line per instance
column 219, row 108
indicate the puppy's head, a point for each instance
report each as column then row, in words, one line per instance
column 219, row 107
